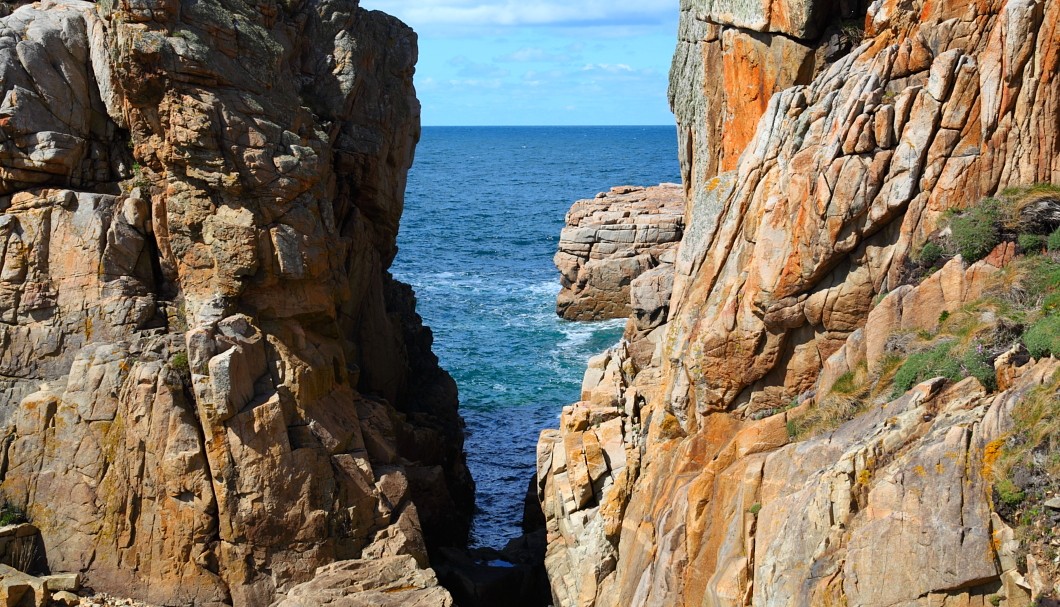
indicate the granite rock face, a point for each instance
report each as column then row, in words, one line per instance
column 812, row 171
column 612, row 240
column 210, row 384
column 394, row 581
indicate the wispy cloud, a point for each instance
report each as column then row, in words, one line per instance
column 535, row 55
column 541, row 61
column 467, row 68
column 520, row 13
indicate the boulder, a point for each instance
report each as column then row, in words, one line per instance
column 611, row 240
column 381, row 582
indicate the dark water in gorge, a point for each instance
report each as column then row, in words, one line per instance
column 483, row 213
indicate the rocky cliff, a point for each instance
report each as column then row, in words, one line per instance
column 210, row 383
column 818, row 421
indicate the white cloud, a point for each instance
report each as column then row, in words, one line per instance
column 535, row 55
column 618, row 68
column 467, row 68
column 419, row 13
column 475, row 83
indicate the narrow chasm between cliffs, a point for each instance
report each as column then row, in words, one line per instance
column 815, row 365
column 488, row 288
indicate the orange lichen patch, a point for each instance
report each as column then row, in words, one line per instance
column 991, row 453
column 928, row 8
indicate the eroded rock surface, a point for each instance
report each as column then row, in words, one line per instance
column 210, row 383
column 813, row 171
column 386, row 582
column 609, row 242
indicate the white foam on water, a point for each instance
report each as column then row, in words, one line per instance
column 548, row 288
column 578, row 333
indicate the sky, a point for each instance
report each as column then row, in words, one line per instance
column 541, row 62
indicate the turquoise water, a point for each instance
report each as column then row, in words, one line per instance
column 483, row 213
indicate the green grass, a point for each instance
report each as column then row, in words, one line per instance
column 848, row 397
column 845, row 384
column 1037, row 188
column 1053, row 241
column 947, row 359
column 755, row 509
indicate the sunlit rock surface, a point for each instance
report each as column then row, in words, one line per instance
column 210, row 383
column 814, row 165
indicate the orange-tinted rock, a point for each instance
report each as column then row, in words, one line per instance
column 210, row 384
column 787, row 277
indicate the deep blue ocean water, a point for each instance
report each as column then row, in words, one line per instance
column 483, row 213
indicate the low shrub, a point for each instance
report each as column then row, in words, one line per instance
column 179, row 362
column 1043, row 337
column 1031, row 244
column 977, row 231
column 930, row 254
column 12, row 515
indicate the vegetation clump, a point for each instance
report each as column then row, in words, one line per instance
column 11, row 514
column 849, row 395
column 179, row 362
column 1031, row 244
column 1043, row 337
column 946, row 360
column 1028, row 216
column 977, row 231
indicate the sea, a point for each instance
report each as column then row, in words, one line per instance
column 483, row 213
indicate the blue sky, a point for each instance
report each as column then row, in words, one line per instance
column 541, row 62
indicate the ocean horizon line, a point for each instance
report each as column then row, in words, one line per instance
column 543, row 126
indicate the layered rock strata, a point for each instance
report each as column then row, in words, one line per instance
column 612, row 240
column 802, row 211
column 210, row 383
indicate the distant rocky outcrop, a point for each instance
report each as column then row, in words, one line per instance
column 815, row 423
column 609, row 242
column 211, row 386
